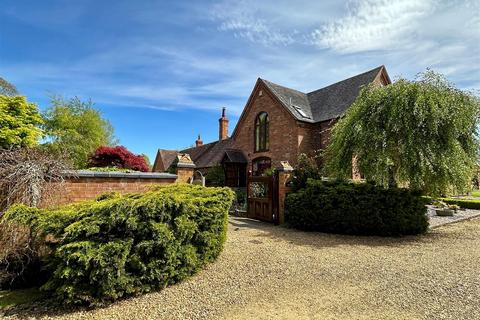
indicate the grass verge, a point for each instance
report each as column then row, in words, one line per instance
column 11, row 298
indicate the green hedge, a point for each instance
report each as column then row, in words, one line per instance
column 122, row 245
column 463, row 203
column 360, row 209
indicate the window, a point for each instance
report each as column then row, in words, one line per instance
column 301, row 112
column 261, row 132
column 260, row 165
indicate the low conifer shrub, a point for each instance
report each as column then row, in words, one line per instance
column 121, row 245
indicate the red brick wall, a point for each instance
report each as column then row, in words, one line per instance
column 86, row 188
column 288, row 137
column 222, row 129
column 325, row 132
column 184, row 174
column 283, row 136
column 308, row 138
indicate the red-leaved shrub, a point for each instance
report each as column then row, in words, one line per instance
column 119, row 157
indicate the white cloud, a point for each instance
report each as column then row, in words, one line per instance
column 374, row 25
column 209, row 69
column 243, row 20
column 406, row 35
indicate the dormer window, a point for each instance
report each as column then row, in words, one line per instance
column 261, row 132
column 301, row 112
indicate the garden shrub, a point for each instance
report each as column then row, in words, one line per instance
column 20, row 257
column 215, row 177
column 356, row 208
column 120, row 245
column 240, row 201
column 117, row 157
column 463, row 203
column 306, row 168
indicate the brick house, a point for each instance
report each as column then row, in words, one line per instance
column 277, row 124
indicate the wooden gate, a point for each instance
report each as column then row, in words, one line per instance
column 260, row 198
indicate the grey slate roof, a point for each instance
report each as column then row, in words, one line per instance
column 166, row 156
column 323, row 104
column 235, row 156
column 320, row 105
column 210, row 154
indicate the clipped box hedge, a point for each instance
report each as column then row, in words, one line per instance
column 123, row 245
column 357, row 209
column 463, row 203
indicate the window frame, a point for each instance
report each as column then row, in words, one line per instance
column 263, row 143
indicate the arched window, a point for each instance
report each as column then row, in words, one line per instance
column 261, row 132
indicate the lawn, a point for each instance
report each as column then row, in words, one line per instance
column 475, row 193
column 10, row 298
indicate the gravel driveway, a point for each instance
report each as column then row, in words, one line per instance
column 269, row 272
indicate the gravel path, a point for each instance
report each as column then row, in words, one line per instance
column 269, row 272
column 464, row 214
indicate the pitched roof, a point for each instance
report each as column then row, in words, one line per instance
column 323, row 104
column 290, row 98
column 320, row 105
column 166, row 157
column 235, row 156
column 210, row 154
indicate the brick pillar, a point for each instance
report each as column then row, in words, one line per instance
column 223, row 126
column 185, row 168
column 284, row 173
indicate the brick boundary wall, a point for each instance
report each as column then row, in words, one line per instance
column 85, row 185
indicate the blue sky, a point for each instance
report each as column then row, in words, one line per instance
column 160, row 71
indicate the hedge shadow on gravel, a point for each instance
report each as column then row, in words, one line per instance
column 320, row 240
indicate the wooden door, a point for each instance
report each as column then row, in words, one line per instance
column 260, row 198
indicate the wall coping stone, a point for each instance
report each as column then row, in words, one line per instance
column 117, row 174
column 285, row 167
column 185, row 165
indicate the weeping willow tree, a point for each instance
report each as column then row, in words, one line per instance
column 422, row 134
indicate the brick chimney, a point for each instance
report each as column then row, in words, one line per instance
column 198, row 142
column 223, row 126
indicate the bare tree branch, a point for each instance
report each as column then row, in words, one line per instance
column 29, row 176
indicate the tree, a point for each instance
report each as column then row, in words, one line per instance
column 215, row 176
column 118, row 157
column 19, row 122
column 421, row 134
column 147, row 160
column 29, row 175
column 306, row 168
column 7, row 89
column 75, row 127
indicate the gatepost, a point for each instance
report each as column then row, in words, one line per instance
column 185, row 168
column 284, row 173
